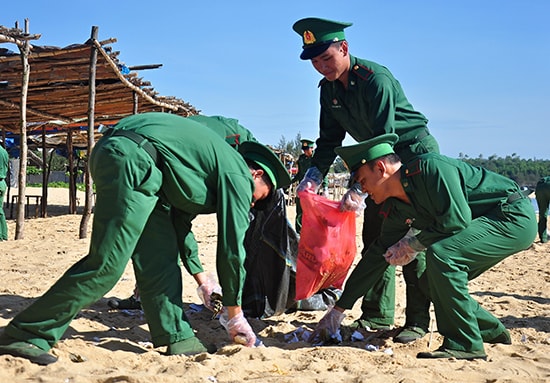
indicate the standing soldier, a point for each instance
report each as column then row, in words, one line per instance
column 363, row 99
column 542, row 194
column 4, row 169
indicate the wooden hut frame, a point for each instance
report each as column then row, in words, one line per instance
column 79, row 85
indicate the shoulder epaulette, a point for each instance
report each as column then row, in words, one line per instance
column 413, row 168
column 362, row 71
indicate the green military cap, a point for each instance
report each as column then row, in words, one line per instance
column 306, row 144
column 359, row 154
column 317, row 34
column 268, row 161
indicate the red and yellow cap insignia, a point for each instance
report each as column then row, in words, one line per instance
column 309, row 38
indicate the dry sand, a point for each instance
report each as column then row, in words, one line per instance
column 109, row 346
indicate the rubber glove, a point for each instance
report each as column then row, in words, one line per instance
column 328, row 328
column 205, row 291
column 354, row 199
column 404, row 251
column 239, row 330
column 311, row 182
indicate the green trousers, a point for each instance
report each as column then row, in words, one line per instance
column 3, row 224
column 129, row 222
column 378, row 304
column 542, row 194
column 452, row 262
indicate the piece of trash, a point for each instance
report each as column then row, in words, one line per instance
column 196, row 308
column 77, row 358
column 357, row 336
column 388, row 351
column 524, row 338
column 212, row 379
column 298, row 335
column 371, row 347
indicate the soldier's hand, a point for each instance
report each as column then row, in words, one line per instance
column 404, row 251
column 311, row 181
column 353, row 199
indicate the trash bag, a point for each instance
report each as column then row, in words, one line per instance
column 327, row 245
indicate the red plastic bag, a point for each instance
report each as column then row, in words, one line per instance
column 327, row 245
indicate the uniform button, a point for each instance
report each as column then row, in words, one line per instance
column 355, row 67
column 405, row 184
column 407, row 171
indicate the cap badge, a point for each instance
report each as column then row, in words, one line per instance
column 309, row 38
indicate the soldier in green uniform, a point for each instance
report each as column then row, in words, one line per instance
column 542, row 194
column 146, row 162
column 467, row 219
column 304, row 163
column 4, row 168
column 270, row 245
column 363, row 99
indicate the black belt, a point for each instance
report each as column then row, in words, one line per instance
column 419, row 137
column 141, row 141
column 517, row 195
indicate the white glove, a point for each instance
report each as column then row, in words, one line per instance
column 354, row 199
column 328, row 328
column 239, row 330
column 404, row 251
column 206, row 289
column 311, row 181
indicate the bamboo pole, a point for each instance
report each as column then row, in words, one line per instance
column 45, row 175
column 72, row 176
column 91, row 123
column 20, row 209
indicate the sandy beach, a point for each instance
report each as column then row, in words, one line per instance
column 109, row 346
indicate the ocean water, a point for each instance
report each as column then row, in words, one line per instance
column 535, row 206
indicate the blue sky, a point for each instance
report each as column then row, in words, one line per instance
column 478, row 69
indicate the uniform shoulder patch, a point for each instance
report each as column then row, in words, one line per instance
column 362, row 71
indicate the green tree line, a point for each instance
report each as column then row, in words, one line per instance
column 526, row 172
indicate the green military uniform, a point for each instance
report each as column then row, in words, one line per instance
column 542, row 194
column 373, row 104
column 469, row 219
column 4, row 169
column 175, row 162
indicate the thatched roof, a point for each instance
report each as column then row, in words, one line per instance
column 58, row 89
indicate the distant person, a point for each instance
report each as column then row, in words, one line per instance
column 146, row 163
column 542, row 194
column 466, row 219
column 363, row 99
column 4, row 169
column 303, row 164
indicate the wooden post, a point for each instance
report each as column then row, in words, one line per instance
column 20, row 220
column 45, row 175
column 72, row 175
column 91, row 123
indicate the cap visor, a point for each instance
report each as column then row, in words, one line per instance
column 309, row 53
